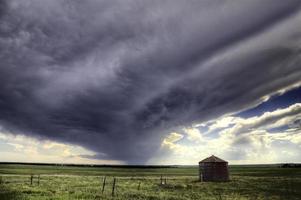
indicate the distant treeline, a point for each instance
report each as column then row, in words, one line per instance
column 90, row 165
column 290, row 165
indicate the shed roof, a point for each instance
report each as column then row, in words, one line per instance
column 212, row 159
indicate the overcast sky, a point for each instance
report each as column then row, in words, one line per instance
column 150, row 82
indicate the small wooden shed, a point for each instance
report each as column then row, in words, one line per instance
column 213, row 169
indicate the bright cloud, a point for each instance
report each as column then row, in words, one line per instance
column 259, row 139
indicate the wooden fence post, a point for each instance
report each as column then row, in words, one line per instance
column 103, row 184
column 113, row 189
column 31, row 177
column 139, row 185
column 161, row 179
column 1, row 180
column 39, row 179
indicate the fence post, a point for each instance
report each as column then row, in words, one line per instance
column 139, row 185
column 161, row 179
column 39, row 179
column 113, row 189
column 103, row 184
column 31, row 178
column 1, row 180
column 165, row 182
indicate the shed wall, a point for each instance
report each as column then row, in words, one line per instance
column 215, row 171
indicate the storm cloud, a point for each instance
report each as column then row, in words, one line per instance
column 116, row 76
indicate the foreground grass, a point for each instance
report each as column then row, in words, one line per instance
column 86, row 183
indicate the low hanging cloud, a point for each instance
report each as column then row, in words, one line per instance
column 116, row 76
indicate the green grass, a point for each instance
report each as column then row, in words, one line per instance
column 94, row 171
column 61, row 182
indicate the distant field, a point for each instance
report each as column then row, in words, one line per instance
column 73, row 182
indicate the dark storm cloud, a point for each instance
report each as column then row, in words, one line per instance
column 114, row 76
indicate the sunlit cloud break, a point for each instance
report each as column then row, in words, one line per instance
column 253, row 140
column 115, row 78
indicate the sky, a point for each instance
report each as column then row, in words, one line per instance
column 150, row 82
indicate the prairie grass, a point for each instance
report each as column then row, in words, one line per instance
column 247, row 182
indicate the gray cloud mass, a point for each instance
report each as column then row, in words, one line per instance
column 115, row 76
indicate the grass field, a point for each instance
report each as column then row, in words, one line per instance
column 65, row 182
